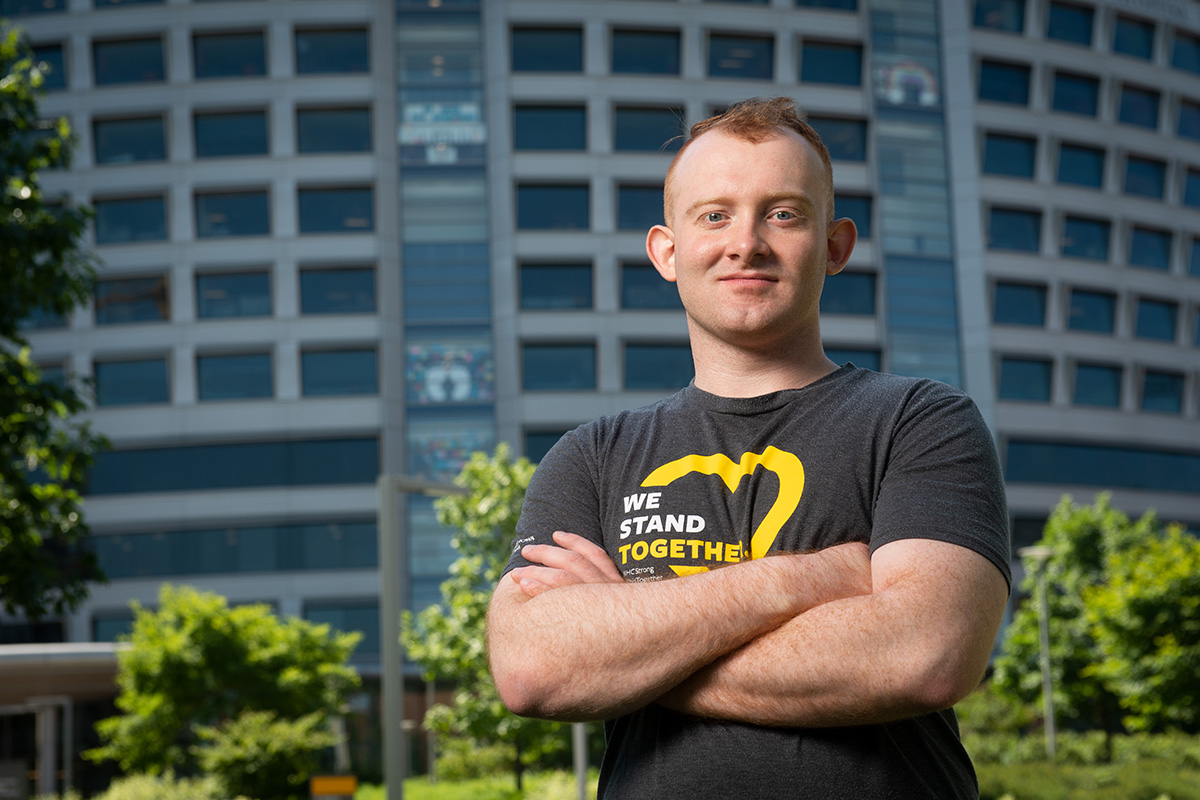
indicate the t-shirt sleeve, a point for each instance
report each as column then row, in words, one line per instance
column 943, row 478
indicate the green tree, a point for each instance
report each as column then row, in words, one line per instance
column 1146, row 620
column 262, row 756
column 196, row 664
column 448, row 640
column 44, row 455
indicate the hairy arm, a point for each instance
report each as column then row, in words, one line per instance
column 568, row 640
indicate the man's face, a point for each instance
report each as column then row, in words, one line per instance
column 749, row 244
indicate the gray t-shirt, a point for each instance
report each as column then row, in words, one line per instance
column 697, row 480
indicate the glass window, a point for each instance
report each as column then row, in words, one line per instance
column 556, row 286
column 1004, row 83
column 1076, row 94
column 332, row 51
column 1139, row 107
column 547, row 50
column 1025, row 379
column 229, row 55
column 119, row 301
column 128, row 61
column 658, row 366
column 1133, row 37
column 549, row 207
column 1085, row 238
column 54, row 65
column 1014, row 229
column 1156, row 319
column 549, row 128
column 549, row 367
column 866, row 359
column 234, row 377
column 1149, row 248
column 1189, row 119
column 831, row 62
column 337, row 291
column 1019, row 304
column 1097, row 385
column 639, row 208
column 836, row 5
column 1145, row 177
column 120, row 141
column 1194, row 259
column 1004, row 154
column 748, row 57
column 858, row 209
column 131, row 219
column 350, row 617
column 233, row 294
column 1191, row 188
column 538, row 443
column 849, row 293
column 1099, row 465
column 126, row 383
column 648, row 129
column 16, row 8
column 333, row 130
column 1070, row 23
column 645, row 52
column 349, row 210
column 324, row 373
column 1095, row 312
column 1162, row 391
column 845, row 138
column 1081, row 165
column 221, row 214
column 643, row 288
column 1000, row 15
column 235, row 133
column 1185, row 54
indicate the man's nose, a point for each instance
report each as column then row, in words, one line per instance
column 747, row 240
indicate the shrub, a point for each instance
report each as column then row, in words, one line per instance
column 1143, row 780
column 263, row 756
column 461, row 759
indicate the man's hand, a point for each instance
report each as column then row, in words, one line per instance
column 574, row 560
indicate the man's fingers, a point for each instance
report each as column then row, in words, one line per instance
column 594, row 553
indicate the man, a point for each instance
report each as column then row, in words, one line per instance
column 638, row 592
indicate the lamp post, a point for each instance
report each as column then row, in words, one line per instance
column 1039, row 554
column 393, row 585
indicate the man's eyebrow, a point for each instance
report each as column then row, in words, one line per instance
column 797, row 198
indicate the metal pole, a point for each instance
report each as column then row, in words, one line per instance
column 430, row 733
column 391, row 592
column 579, row 745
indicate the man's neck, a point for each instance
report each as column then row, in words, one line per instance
column 729, row 371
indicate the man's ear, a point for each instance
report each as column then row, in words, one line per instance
column 660, row 246
column 842, row 236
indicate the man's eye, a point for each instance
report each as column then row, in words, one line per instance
column 714, row 216
column 785, row 215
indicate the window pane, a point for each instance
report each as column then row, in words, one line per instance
column 538, row 443
column 128, row 61
column 122, row 383
column 1185, row 54
column 1085, row 238
column 1076, row 94
column 338, row 372
column 1000, row 15
column 1004, row 83
column 849, row 293
column 337, row 210
column 1097, row 385
column 1189, row 119
column 1162, row 391
column 350, row 617
column 1191, row 188
column 645, row 52
column 1156, row 319
column 1133, row 37
column 829, row 62
column 239, row 133
column 1194, row 260
column 1009, row 155
column 120, row 141
column 242, row 294
column 1019, row 304
column 234, row 377
column 549, row 128
column 554, row 286
column 229, row 55
column 221, row 214
column 648, row 129
column 122, row 3
column 547, row 50
column 857, row 209
column 639, row 208
column 1139, row 107
column 845, row 138
column 658, row 366
column 1069, row 23
column 643, row 288
column 838, row 5
column 123, row 300
column 337, row 291
column 552, row 207
column 332, row 52
column 333, row 130
column 1092, row 311
column 749, row 57
column 1080, row 165
column 138, row 219
column 1013, row 229
column 866, row 359
column 16, row 8
column 548, row 367
column 1103, row 466
column 1025, row 379
column 1145, row 177
column 54, row 65
column 1150, row 248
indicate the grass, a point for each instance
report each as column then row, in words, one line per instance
column 538, row 786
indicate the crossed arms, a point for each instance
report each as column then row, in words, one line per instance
column 805, row 640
